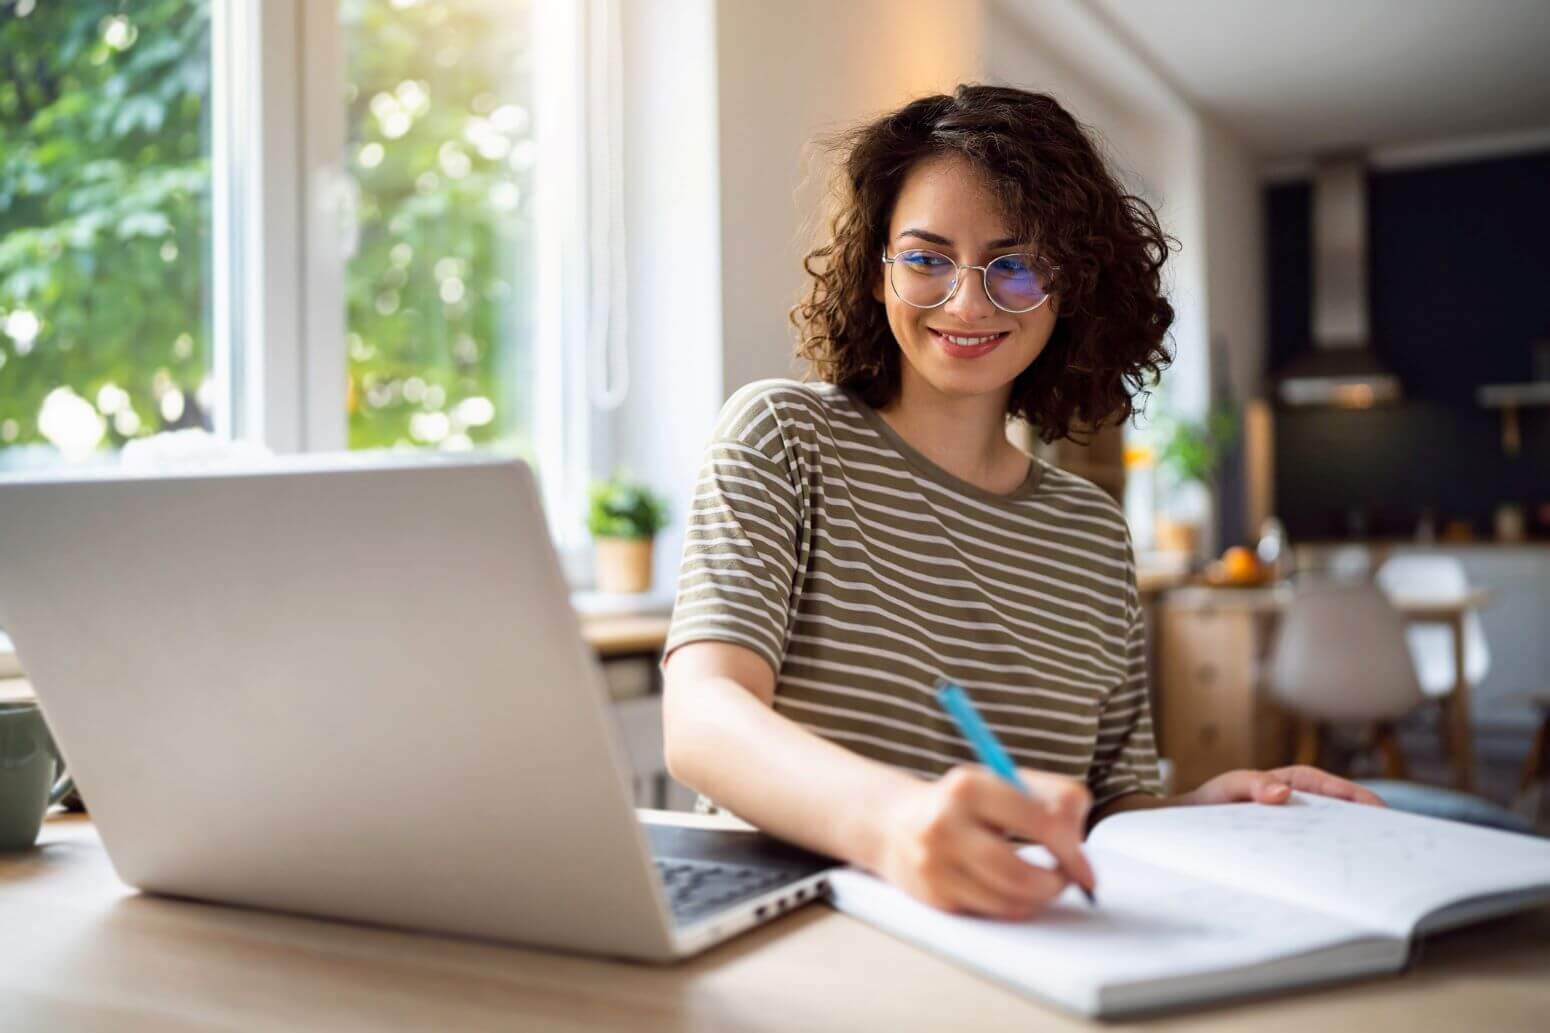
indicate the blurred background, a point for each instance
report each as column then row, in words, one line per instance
column 568, row 230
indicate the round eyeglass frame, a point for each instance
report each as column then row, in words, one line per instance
column 958, row 271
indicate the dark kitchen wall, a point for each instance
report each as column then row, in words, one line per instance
column 1459, row 285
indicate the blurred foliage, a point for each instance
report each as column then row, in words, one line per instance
column 623, row 508
column 105, row 224
column 104, row 206
column 1193, row 449
column 440, row 141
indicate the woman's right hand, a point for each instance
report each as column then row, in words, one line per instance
column 945, row 842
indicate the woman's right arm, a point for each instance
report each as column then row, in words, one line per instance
column 944, row 842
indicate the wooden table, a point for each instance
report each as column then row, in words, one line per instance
column 619, row 635
column 81, row 951
column 1263, row 606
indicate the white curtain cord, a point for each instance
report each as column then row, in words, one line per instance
column 608, row 360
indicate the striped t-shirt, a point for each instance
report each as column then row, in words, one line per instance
column 862, row 572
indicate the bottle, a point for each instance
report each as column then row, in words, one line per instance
column 1272, row 548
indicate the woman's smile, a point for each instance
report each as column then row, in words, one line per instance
column 967, row 346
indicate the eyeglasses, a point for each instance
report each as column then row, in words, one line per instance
column 928, row 279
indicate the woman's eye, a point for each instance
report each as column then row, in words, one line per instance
column 1014, row 266
column 923, row 261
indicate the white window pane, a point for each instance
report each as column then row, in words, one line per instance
column 439, row 297
column 105, row 331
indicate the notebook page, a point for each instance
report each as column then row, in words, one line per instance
column 1150, row 924
column 1380, row 867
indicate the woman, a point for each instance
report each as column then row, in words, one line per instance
column 853, row 539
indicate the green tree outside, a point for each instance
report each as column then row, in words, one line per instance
column 105, row 218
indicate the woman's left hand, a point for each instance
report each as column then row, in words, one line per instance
column 1276, row 786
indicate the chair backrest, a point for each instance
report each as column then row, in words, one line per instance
column 1436, row 578
column 1340, row 655
column 1349, row 563
column 1423, row 576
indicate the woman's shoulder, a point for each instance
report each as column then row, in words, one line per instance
column 792, row 405
column 1076, row 501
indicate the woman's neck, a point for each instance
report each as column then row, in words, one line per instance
column 964, row 435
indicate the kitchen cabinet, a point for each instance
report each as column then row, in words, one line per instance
column 1211, row 647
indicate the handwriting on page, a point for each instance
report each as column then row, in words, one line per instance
column 1375, row 864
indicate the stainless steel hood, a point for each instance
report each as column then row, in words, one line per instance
column 1341, row 369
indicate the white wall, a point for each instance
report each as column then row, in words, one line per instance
column 1235, row 258
column 673, row 233
column 788, row 72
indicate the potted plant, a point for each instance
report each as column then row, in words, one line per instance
column 623, row 517
column 1190, row 451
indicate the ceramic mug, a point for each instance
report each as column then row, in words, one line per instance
column 32, row 774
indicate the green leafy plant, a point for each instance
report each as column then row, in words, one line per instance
column 1192, row 449
column 621, row 508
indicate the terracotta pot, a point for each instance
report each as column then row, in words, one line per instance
column 623, row 564
column 1181, row 536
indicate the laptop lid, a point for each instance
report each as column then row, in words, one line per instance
column 337, row 686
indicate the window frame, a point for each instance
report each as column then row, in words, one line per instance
column 283, row 222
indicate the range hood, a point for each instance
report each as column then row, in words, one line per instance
column 1341, row 369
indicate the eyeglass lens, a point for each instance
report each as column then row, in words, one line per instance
column 926, row 279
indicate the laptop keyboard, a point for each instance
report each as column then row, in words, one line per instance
column 698, row 888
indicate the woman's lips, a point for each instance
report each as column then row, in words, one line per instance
column 986, row 343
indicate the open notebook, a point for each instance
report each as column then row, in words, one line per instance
column 1198, row 904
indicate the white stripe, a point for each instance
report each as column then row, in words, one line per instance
column 1083, row 739
column 720, row 621
column 700, row 563
column 870, row 717
column 1112, row 651
column 896, row 679
column 703, row 514
column 1082, row 656
column 899, row 747
column 1029, row 671
column 720, row 489
column 1033, row 663
column 971, row 563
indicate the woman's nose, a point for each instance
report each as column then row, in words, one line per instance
column 969, row 301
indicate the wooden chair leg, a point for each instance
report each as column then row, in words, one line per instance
column 1388, row 748
column 1537, row 764
column 1308, row 742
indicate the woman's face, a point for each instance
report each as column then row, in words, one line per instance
column 967, row 346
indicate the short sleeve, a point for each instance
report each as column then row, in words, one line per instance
column 1125, row 758
column 741, row 546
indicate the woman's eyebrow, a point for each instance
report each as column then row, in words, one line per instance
column 937, row 238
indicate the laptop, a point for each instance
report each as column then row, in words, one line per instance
column 354, row 687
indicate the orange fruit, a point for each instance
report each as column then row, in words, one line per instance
column 1240, row 564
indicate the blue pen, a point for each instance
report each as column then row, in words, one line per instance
column 986, row 746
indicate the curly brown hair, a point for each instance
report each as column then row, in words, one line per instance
column 1105, row 249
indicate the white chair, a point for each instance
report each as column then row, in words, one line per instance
column 1349, row 563
column 1436, row 578
column 1340, row 656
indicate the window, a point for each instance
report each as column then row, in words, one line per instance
column 105, row 285
column 440, row 289
column 310, row 225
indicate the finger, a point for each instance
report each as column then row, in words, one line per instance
column 1052, row 813
column 969, row 893
column 994, row 862
column 1262, row 787
column 1313, row 780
